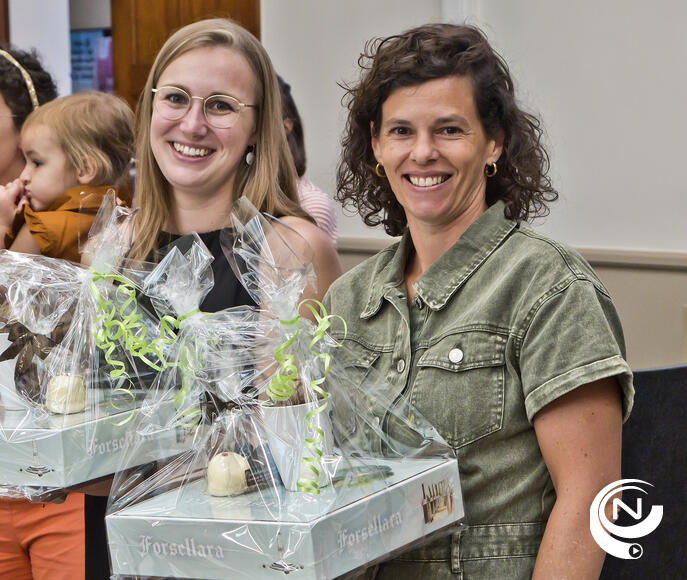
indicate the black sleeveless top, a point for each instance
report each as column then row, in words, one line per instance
column 227, row 291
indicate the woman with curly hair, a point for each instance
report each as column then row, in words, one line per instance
column 502, row 338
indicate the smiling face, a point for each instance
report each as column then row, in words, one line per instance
column 47, row 173
column 196, row 158
column 434, row 151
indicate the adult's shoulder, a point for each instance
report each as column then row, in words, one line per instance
column 320, row 243
column 544, row 257
column 324, row 256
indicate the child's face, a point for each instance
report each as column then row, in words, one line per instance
column 47, row 173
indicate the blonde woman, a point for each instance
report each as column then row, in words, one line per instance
column 209, row 130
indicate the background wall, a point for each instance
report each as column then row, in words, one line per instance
column 44, row 25
column 89, row 14
column 607, row 79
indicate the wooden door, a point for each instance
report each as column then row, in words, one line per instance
column 140, row 28
column 4, row 23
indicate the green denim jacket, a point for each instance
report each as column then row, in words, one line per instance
column 502, row 324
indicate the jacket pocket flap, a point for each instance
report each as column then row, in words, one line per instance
column 465, row 350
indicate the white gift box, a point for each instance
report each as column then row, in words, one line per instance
column 45, row 450
column 186, row 533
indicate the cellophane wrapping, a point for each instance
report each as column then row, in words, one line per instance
column 300, row 462
column 71, row 376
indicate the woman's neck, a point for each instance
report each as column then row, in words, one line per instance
column 198, row 214
column 431, row 241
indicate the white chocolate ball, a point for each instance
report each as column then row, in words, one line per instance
column 227, row 474
column 65, row 395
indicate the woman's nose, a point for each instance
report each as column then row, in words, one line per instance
column 423, row 149
column 194, row 120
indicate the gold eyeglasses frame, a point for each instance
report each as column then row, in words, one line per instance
column 204, row 100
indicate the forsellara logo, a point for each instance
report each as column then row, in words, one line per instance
column 604, row 530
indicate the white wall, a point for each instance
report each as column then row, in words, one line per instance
column 609, row 79
column 44, row 25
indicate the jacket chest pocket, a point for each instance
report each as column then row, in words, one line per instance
column 459, row 386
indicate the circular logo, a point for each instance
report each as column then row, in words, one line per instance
column 603, row 530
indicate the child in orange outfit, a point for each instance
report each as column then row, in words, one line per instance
column 76, row 149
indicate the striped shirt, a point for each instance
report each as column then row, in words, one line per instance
column 319, row 205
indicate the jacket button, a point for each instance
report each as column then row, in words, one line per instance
column 400, row 365
column 455, row 355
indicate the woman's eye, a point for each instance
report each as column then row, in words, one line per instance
column 401, row 131
column 221, row 106
column 176, row 99
column 451, row 130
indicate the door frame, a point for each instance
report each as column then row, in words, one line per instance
column 4, row 23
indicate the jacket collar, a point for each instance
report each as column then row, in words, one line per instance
column 445, row 276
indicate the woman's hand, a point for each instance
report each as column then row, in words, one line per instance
column 580, row 436
column 12, row 198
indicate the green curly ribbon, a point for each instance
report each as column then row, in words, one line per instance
column 323, row 322
column 284, row 385
column 285, row 381
column 114, row 405
column 123, row 327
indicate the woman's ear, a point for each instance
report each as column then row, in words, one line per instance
column 496, row 146
column 288, row 125
column 374, row 140
column 87, row 173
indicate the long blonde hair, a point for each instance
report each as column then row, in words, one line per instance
column 269, row 183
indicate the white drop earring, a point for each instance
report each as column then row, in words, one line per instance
column 250, row 156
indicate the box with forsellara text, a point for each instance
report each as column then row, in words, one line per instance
column 187, row 533
column 41, row 449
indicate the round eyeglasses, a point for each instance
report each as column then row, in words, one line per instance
column 221, row 111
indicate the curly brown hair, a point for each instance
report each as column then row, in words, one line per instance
column 13, row 86
column 422, row 54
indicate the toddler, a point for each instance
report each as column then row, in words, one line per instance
column 76, row 149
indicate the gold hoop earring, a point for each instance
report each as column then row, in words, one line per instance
column 379, row 170
column 491, row 170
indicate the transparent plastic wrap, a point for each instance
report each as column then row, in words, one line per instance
column 78, row 354
column 210, row 366
column 304, row 464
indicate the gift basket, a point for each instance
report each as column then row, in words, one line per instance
column 300, row 463
column 78, row 353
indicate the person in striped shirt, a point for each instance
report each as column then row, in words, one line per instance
column 312, row 199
